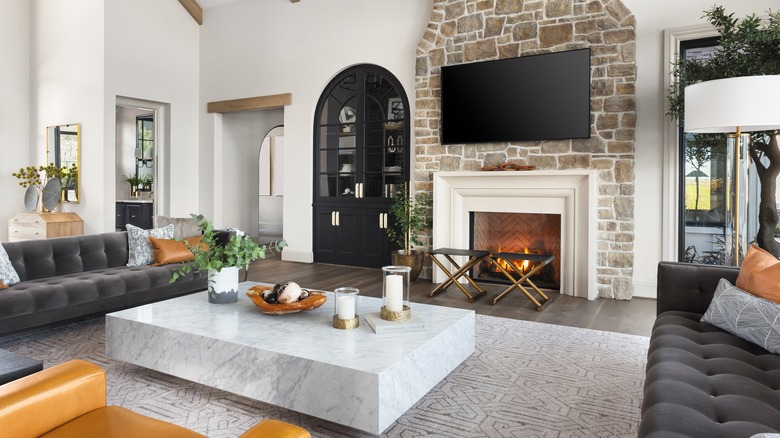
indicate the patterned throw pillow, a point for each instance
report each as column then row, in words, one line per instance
column 745, row 315
column 8, row 275
column 141, row 252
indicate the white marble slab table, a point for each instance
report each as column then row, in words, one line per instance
column 297, row 361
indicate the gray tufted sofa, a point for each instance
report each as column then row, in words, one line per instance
column 70, row 278
column 702, row 381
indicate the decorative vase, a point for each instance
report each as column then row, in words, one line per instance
column 413, row 259
column 223, row 285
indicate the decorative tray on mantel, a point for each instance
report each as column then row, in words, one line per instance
column 314, row 300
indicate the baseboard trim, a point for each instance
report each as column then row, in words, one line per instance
column 645, row 290
column 297, row 256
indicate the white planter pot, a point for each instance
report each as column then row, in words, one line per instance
column 223, row 286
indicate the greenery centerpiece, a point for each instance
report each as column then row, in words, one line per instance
column 747, row 48
column 222, row 259
column 410, row 218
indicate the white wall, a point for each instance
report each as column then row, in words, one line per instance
column 14, row 106
column 66, row 86
column 653, row 17
column 254, row 48
column 152, row 52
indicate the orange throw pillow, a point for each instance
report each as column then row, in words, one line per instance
column 3, row 285
column 760, row 274
column 168, row 251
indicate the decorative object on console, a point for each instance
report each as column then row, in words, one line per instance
column 395, row 293
column 735, row 98
column 216, row 255
column 345, row 316
column 411, row 217
column 134, row 182
column 36, row 180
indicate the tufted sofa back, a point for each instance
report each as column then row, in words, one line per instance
column 35, row 259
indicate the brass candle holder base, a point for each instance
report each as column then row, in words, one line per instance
column 395, row 316
column 346, row 324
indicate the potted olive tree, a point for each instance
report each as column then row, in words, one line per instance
column 410, row 217
column 222, row 259
column 747, row 48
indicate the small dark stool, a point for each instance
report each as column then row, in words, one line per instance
column 13, row 366
column 474, row 257
column 541, row 260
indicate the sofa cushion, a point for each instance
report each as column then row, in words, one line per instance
column 703, row 381
column 745, row 315
column 183, row 227
column 141, row 252
column 167, row 251
column 760, row 274
column 8, row 275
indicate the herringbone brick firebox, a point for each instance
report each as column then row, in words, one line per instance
column 521, row 233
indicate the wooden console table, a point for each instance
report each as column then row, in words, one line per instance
column 34, row 225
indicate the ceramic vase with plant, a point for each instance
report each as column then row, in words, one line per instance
column 222, row 258
column 410, row 218
column 38, row 177
column 134, row 182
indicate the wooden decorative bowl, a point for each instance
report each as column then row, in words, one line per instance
column 314, row 300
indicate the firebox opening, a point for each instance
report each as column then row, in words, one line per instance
column 529, row 233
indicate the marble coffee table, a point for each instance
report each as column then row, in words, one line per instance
column 297, row 361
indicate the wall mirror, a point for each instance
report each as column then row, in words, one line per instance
column 63, row 149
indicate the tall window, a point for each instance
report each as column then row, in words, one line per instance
column 702, row 183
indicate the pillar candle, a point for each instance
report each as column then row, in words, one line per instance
column 394, row 293
column 346, row 307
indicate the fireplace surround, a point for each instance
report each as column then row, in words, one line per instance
column 568, row 193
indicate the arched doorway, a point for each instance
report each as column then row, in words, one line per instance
column 271, row 186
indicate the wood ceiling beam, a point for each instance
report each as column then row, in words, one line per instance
column 194, row 9
column 250, row 103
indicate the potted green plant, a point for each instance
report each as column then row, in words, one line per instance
column 222, row 260
column 410, row 218
column 134, row 182
column 38, row 177
column 145, row 182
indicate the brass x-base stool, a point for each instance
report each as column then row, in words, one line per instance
column 474, row 257
column 541, row 261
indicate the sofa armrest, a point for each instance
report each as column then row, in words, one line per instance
column 275, row 429
column 689, row 287
column 36, row 404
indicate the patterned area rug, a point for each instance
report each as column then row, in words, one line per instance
column 525, row 379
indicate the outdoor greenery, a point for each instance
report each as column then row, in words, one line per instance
column 748, row 47
column 410, row 218
column 238, row 251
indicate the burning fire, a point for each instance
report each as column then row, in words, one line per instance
column 504, row 264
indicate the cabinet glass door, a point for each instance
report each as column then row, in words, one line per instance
column 338, row 140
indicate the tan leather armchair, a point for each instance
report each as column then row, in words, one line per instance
column 69, row 400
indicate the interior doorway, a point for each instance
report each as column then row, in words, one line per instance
column 271, row 186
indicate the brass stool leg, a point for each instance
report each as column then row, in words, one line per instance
column 452, row 277
column 444, row 285
column 470, row 264
column 518, row 283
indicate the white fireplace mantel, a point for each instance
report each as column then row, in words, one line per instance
column 570, row 193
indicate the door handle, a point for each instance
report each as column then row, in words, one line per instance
column 338, row 219
column 381, row 220
column 333, row 218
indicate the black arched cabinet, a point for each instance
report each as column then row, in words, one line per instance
column 361, row 156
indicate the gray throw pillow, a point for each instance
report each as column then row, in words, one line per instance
column 8, row 274
column 745, row 315
column 183, row 227
column 140, row 250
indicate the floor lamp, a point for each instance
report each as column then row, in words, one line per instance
column 734, row 105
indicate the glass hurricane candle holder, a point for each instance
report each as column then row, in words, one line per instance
column 395, row 293
column 345, row 315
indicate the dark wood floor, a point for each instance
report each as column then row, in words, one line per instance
column 632, row 317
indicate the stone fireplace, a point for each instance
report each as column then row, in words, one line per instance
column 462, row 31
column 567, row 194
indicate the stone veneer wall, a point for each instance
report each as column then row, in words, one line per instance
column 462, row 31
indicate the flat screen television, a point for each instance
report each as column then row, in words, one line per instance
column 530, row 98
